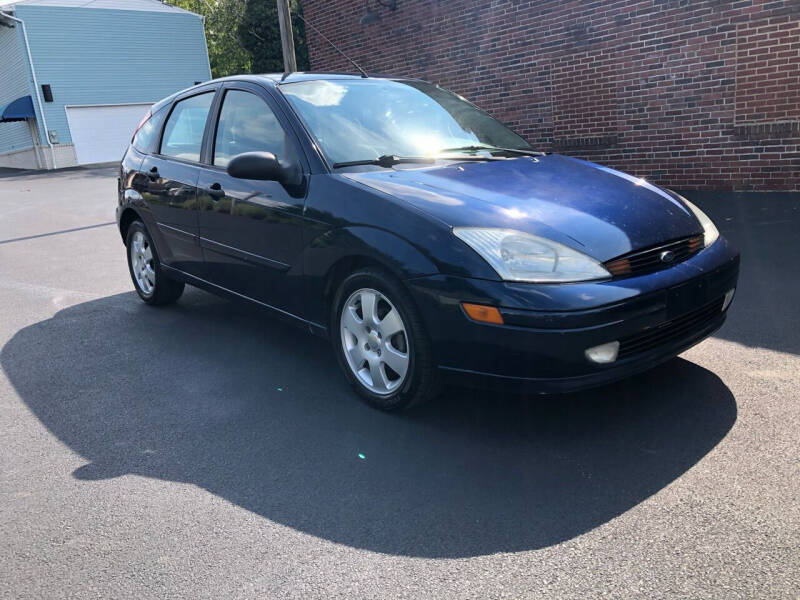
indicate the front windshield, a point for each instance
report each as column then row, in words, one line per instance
column 366, row 118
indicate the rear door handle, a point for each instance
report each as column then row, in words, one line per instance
column 216, row 191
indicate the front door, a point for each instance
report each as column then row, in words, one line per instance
column 251, row 231
column 170, row 183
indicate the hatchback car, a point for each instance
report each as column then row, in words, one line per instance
column 427, row 240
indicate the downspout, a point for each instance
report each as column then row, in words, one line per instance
column 37, row 143
column 35, row 84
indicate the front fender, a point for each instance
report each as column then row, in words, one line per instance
column 372, row 244
column 397, row 254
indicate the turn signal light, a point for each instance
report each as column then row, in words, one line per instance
column 482, row 313
column 695, row 243
column 621, row 266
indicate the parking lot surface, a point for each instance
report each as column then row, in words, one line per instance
column 205, row 450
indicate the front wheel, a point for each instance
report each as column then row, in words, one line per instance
column 152, row 285
column 380, row 341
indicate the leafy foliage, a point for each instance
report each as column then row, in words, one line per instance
column 243, row 36
column 222, row 20
column 260, row 36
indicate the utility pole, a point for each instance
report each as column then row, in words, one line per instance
column 287, row 39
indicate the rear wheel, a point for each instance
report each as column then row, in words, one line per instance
column 380, row 341
column 152, row 285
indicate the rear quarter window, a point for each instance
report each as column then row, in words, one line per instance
column 146, row 139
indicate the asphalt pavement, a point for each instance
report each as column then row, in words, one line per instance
column 205, row 450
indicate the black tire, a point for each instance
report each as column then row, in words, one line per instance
column 421, row 382
column 164, row 289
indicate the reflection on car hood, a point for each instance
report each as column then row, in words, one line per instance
column 600, row 211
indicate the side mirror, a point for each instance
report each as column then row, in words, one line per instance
column 256, row 165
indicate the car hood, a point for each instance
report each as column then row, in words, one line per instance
column 597, row 210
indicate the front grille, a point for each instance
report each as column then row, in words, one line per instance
column 652, row 259
column 668, row 332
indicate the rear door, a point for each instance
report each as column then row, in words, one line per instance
column 170, row 182
column 251, row 231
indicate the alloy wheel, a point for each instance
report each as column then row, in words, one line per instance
column 375, row 342
column 142, row 263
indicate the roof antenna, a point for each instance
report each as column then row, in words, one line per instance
column 322, row 35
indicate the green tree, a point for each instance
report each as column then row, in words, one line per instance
column 222, row 21
column 260, row 36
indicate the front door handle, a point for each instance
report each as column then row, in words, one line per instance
column 216, row 191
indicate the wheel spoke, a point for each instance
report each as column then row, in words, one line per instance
column 351, row 323
column 398, row 361
column 391, row 324
column 356, row 355
column 354, row 348
column 148, row 254
column 379, row 381
column 368, row 302
column 150, row 275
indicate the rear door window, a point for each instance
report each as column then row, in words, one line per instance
column 183, row 133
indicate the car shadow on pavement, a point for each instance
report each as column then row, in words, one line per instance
column 219, row 395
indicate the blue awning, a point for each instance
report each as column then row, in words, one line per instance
column 19, row 110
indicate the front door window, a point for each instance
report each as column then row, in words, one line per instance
column 247, row 124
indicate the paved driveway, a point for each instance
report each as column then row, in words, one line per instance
column 204, row 450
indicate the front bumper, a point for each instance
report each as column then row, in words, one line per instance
column 541, row 347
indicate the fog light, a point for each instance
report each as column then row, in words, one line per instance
column 604, row 353
column 728, row 297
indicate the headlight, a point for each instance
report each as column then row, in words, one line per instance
column 519, row 256
column 710, row 232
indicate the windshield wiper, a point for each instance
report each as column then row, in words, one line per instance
column 387, row 160
column 390, row 160
column 476, row 148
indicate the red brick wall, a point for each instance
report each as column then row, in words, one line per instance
column 689, row 93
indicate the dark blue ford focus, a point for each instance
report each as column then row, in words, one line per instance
column 428, row 241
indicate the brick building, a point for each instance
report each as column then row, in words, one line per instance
column 694, row 94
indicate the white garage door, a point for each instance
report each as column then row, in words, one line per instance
column 101, row 133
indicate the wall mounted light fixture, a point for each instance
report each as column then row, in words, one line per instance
column 370, row 16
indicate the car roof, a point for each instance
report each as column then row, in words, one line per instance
column 274, row 79
column 277, row 78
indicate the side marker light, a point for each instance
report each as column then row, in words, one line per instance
column 483, row 313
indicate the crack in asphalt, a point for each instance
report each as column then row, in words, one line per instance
column 63, row 231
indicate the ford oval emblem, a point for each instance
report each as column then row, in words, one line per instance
column 667, row 256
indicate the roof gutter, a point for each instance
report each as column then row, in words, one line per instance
column 35, row 83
